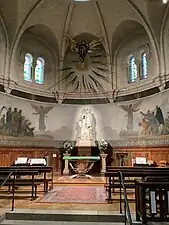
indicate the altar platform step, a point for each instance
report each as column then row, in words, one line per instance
column 61, row 216
column 23, row 222
column 31, row 222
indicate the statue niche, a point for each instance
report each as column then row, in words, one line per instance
column 86, row 128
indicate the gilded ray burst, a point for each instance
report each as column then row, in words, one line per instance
column 89, row 72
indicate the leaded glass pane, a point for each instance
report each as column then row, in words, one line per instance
column 28, row 67
column 39, row 71
column 144, row 66
column 132, row 69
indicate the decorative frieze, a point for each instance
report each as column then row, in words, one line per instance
column 30, row 143
column 139, row 143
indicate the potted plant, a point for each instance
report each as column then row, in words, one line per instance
column 67, row 146
column 102, row 145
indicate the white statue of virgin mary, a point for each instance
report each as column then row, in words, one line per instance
column 86, row 126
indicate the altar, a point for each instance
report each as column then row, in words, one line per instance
column 82, row 165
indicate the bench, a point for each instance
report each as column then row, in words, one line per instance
column 113, row 181
column 11, row 177
column 39, row 169
column 152, row 200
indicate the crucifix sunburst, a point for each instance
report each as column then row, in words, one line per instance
column 87, row 68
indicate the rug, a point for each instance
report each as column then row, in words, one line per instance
column 76, row 194
column 62, row 180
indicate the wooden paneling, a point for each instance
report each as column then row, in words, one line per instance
column 151, row 153
column 9, row 155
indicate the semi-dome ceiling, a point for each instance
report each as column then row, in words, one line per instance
column 92, row 16
column 115, row 22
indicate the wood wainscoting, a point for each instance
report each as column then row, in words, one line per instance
column 155, row 154
column 8, row 155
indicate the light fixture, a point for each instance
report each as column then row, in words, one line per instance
column 165, row 1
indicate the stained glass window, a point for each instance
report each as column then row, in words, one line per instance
column 132, row 69
column 28, row 67
column 144, row 66
column 39, row 71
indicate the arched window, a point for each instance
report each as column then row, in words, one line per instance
column 28, row 67
column 144, row 66
column 39, row 70
column 132, row 69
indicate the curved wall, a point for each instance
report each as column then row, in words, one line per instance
column 59, row 121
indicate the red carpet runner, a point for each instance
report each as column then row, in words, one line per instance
column 76, row 194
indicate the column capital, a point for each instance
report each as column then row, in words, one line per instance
column 66, row 154
column 103, row 155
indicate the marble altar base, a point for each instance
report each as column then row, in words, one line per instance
column 84, row 150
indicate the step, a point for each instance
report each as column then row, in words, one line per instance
column 65, row 215
column 30, row 222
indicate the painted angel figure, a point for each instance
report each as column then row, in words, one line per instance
column 83, row 48
column 130, row 109
column 42, row 112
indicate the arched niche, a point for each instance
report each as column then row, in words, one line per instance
column 95, row 61
column 130, row 38
column 39, row 41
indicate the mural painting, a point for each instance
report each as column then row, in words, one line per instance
column 130, row 109
column 144, row 119
column 151, row 122
column 13, row 123
column 42, row 113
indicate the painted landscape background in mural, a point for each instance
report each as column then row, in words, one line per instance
column 144, row 118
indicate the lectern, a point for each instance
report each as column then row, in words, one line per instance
column 122, row 156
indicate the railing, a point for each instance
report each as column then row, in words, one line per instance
column 6, row 179
column 13, row 187
column 127, row 213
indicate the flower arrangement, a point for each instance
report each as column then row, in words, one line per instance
column 102, row 145
column 67, row 146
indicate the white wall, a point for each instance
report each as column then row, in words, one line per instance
column 31, row 44
column 135, row 46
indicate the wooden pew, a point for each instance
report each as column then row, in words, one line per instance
column 40, row 169
column 11, row 177
column 130, row 172
column 152, row 200
column 25, row 171
column 113, row 181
